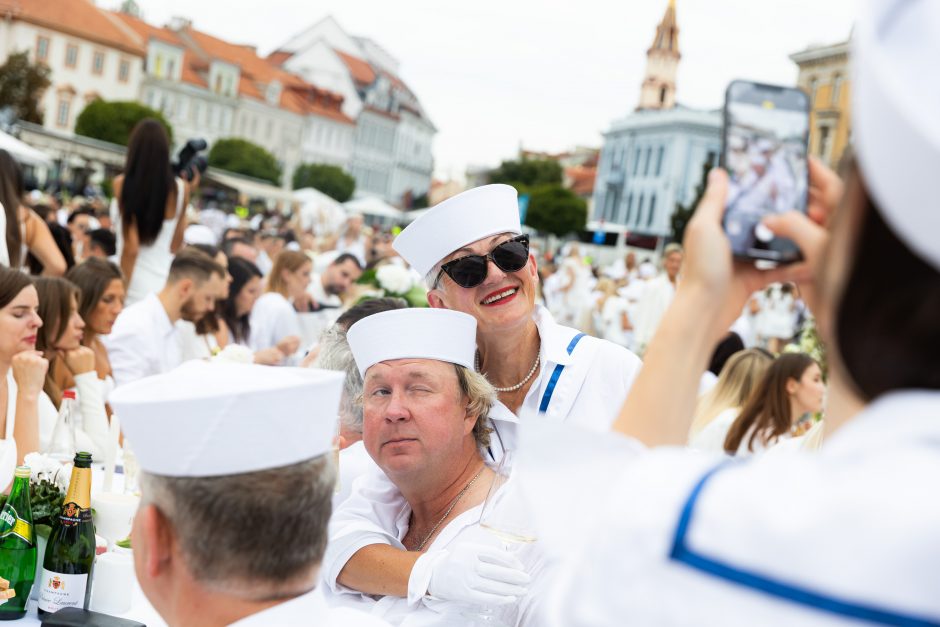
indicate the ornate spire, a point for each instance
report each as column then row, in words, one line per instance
column 662, row 60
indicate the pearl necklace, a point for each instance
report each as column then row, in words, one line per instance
column 449, row 510
column 511, row 388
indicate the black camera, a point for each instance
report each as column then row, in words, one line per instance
column 188, row 161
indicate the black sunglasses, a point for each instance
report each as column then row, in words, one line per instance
column 470, row 271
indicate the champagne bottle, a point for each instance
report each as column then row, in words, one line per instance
column 70, row 555
column 17, row 546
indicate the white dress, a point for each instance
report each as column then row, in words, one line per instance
column 153, row 260
column 272, row 319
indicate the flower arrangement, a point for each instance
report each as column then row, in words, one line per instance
column 393, row 280
column 48, row 482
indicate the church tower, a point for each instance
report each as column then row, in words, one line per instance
column 662, row 60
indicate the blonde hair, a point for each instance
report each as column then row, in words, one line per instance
column 738, row 379
column 290, row 260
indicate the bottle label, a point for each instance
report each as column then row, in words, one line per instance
column 15, row 525
column 72, row 514
column 58, row 590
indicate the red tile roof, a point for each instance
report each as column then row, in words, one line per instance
column 79, row 18
column 278, row 57
column 360, row 69
column 580, row 179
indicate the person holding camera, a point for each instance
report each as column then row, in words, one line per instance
column 149, row 210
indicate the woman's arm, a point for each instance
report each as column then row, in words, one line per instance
column 40, row 242
column 130, row 250
column 181, row 222
column 29, row 372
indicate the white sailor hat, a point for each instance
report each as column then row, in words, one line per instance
column 418, row 333
column 463, row 219
column 209, row 419
column 895, row 116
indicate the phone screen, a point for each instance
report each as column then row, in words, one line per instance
column 765, row 138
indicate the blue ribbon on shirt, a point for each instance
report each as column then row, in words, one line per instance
column 553, row 380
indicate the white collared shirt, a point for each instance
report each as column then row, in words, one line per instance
column 852, row 527
column 143, row 342
column 588, row 391
column 308, row 610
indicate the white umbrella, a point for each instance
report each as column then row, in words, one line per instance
column 374, row 206
column 24, row 153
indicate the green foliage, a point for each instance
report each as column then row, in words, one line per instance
column 680, row 219
column 329, row 179
column 527, row 173
column 244, row 157
column 21, row 86
column 45, row 501
column 556, row 210
column 114, row 121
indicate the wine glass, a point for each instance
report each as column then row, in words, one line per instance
column 505, row 515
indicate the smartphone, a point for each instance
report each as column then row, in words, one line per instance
column 764, row 145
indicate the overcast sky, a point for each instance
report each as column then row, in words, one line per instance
column 544, row 74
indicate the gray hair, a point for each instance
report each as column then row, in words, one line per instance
column 260, row 535
column 335, row 354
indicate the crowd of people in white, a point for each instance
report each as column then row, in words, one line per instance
column 504, row 456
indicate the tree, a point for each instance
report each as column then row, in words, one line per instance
column 527, row 173
column 114, row 121
column 680, row 219
column 244, row 157
column 329, row 179
column 21, row 86
column 556, row 210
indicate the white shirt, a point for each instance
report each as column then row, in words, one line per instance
column 854, row 523
column 464, row 528
column 193, row 345
column 656, row 299
column 308, row 610
column 712, row 436
column 272, row 319
column 143, row 342
column 588, row 392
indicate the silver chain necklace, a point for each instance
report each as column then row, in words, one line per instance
column 511, row 388
column 449, row 509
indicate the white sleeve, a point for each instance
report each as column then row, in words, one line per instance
column 367, row 517
column 93, row 436
column 127, row 354
column 48, row 416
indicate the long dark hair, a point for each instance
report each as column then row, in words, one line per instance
column 92, row 277
column 148, row 180
column 56, row 296
column 11, row 196
column 887, row 334
column 766, row 414
column 242, row 272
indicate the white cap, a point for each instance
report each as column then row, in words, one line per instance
column 460, row 220
column 199, row 234
column 895, row 120
column 418, row 333
column 209, row 419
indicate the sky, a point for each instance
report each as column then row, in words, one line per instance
column 497, row 75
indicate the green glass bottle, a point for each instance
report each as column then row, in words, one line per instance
column 17, row 546
column 70, row 554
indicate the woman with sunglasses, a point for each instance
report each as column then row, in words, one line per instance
column 476, row 260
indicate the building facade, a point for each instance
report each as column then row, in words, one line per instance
column 89, row 52
column 824, row 75
column 391, row 155
column 653, row 159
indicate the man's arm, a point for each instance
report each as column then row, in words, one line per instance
column 379, row 569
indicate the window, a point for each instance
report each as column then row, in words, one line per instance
column 813, row 84
column 62, row 112
column 636, row 161
column 42, row 48
column 649, row 156
column 836, row 90
column 97, row 63
column 270, row 129
column 71, row 55
column 629, row 208
column 170, row 68
column 158, row 66
column 124, row 70
column 824, row 141
column 659, row 160
column 649, row 217
column 639, row 210
column 662, row 95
